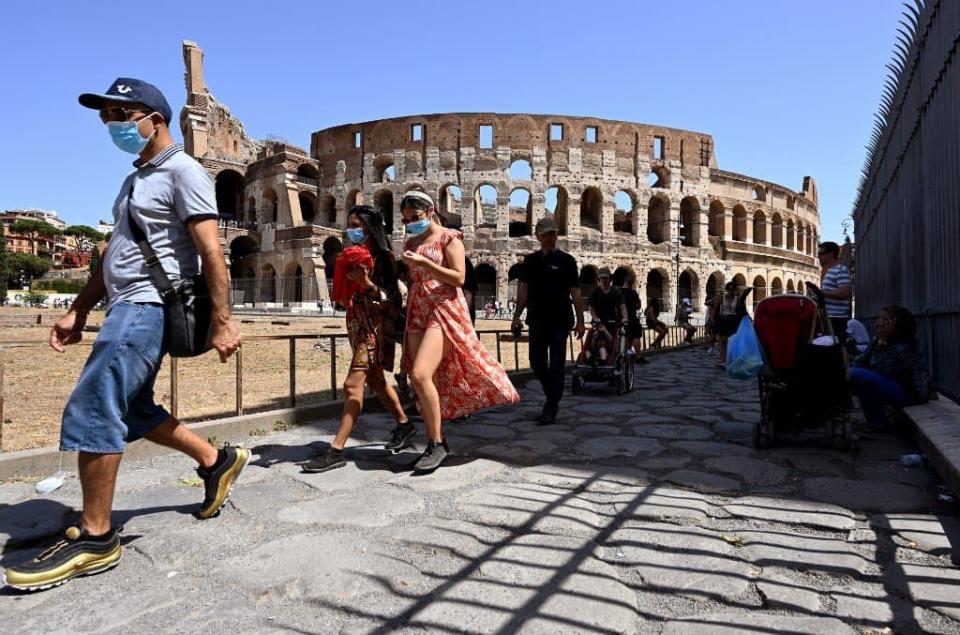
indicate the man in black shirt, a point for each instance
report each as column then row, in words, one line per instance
column 607, row 309
column 548, row 283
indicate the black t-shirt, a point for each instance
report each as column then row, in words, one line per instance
column 469, row 276
column 549, row 278
column 607, row 305
column 632, row 299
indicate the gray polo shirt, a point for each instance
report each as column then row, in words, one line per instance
column 164, row 194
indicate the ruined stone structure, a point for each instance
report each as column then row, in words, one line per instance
column 627, row 196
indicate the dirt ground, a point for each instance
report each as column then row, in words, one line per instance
column 37, row 380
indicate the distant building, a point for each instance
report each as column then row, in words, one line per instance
column 54, row 245
column 104, row 227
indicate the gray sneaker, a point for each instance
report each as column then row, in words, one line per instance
column 432, row 457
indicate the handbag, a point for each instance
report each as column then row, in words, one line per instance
column 187, row 307
column 744, row 353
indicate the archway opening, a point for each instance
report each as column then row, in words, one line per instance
column 308, row 208
column 273, row 205
column 717, row 212
column 591, row 208
column 383, row 201
column 521, row 212
column 759, row 228
column 714, row 284
column 228, row 187
column 688, row 287
column 776, row 231
column 759, row 290
column 449, row 201
column 328, row 210
column 759, row 193
column 740, row 223
column 790, row 287
column 520, row 170
column 268, row 284
column 624, row 215
column 620, row 274
column 658, row 220
column 741, row 281
column 485, row 205
column 659, row 176
column 589, row 279
column 776, row 287
column 486, row 283
column 307, row 174
column 331, row 249
column 555, row 202
column 791, row 235
column 690, row 221
column 657, row 288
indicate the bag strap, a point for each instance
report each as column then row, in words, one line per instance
column 150, row 258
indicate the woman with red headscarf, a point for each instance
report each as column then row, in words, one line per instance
column 365, row 282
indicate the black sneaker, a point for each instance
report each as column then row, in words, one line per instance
column 400, row 438
column 432, row 457
column 218, row 480
column 74, row 555
column 326, row 460
column 545, row 419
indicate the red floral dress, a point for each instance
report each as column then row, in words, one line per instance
column 468, row 378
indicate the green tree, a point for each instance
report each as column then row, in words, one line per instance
column 28, row 265
column 34, row 230
column 87, row 237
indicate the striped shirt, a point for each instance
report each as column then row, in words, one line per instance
column 835, row 279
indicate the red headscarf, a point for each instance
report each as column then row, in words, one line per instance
column 347, row 261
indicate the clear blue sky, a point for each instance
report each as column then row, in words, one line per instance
column 786, row 88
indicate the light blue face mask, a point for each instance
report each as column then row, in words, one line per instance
column 356, row 235
column 417, row 227
column 126, row 135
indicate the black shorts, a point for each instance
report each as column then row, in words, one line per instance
column 635, row 331
column 653, row 323
column 725, row 325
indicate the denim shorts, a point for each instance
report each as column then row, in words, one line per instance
column 112, row 403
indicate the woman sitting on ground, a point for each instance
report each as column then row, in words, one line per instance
column 892, row 372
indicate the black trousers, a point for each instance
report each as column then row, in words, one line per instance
column 548, row 358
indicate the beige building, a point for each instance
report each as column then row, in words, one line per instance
column 635, row 197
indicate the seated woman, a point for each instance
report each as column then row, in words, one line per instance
column 652, row 314
column 892, row 371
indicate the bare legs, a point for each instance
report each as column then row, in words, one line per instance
column 353, row 403
column 426, row 351
column 98, row 472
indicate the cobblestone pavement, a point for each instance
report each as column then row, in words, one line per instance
column 648, row 513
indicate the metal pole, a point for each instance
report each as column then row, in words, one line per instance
column 174, row 398
column 333, row 365
column 239, row 372
column 293, row 371
column 499, row 357
column 516, row 354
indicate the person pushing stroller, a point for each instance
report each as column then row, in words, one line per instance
column 608, row 313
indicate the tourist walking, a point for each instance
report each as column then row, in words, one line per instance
column 365, row 282
column 451, row 372
column 631, row 299
column 168, row 201
column 549, row 291
column 652, row 315
column 836, row 287
column 728, row 310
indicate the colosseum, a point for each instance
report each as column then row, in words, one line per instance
column 628, row 196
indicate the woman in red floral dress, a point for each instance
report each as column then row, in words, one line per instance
column 451, row 371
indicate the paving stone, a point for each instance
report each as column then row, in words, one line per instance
column 666, row 462
column 376, row 508
column 811, row 464
column 585, row 596
column 482, row 431
column 531, row 507
column 551, row 434
column 12, row 493
column 656, row 502
column 791, row 511
column 688, row 561
column 866, row 495
column 851, row 604
column 896, row 473
column 456, row 472
column 933, row 587
column 446, row 547
column 702, row 481
column 673, row 431
column 605, row 447
column 779, row 592
column 734, row 429
column 801, row 552
column 752, row 471
column 595, row 430
column 521, row 452
column 939, row 535
column 351, row 476
column 687, row 411
column 712, row 448
column 335, row 567
column 651, row 419
column 754, row 622
column 586, row 478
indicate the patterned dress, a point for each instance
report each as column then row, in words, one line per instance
column 370, row 327
column 468, row 378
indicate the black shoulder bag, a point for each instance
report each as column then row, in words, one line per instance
column 187, row 308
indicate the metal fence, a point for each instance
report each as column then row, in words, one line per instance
column 907, row 213
column 268, row 372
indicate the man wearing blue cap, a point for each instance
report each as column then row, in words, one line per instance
column 171, row 198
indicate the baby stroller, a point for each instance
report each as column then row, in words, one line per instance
column 802, row 385
column 618, row 368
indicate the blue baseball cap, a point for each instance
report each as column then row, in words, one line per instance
column 128, row 89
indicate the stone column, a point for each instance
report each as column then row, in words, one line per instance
column 674, row 216
column 769, row 233
column 728, row 224
column 748, row 238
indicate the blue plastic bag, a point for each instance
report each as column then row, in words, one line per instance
column 744, row 355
